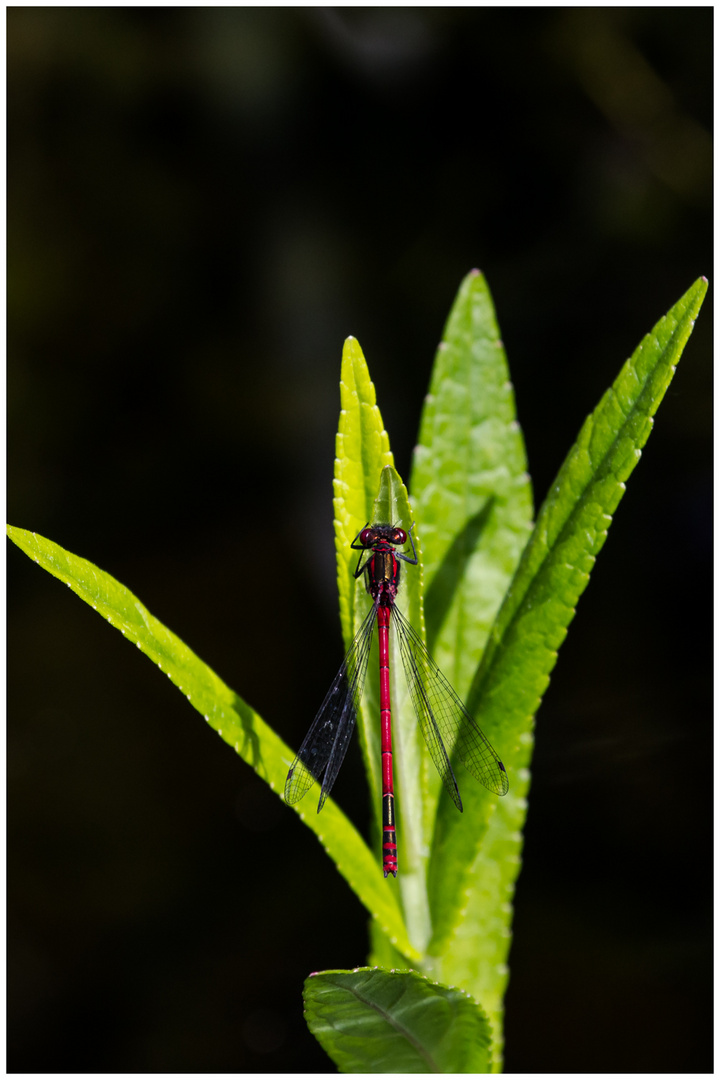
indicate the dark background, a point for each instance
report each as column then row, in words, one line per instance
column 203, row 203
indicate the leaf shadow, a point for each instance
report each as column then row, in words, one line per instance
column 450, row 573
column 251, row 742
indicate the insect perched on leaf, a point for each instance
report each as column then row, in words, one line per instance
column 447, row 726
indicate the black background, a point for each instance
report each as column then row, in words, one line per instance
column 203, row 203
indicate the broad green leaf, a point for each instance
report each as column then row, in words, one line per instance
column 522, row 649
column 375, row 1021
column 469, row 485
column 473, row 499
column 474, row 502
column 226, row 712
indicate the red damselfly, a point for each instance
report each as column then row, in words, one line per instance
column 447, row 726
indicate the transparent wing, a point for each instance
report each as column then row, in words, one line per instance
column 447, row 726
column 324, row 747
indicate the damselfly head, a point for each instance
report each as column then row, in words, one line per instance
column 378, row 534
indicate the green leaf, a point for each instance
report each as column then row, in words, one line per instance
column 362, row 450
column 469, row 484
column 474, row 502
column 375, row 1021
column 238, row 724
column 472, row 942
column 409, row 753
column 367, row 489
column 474, row 506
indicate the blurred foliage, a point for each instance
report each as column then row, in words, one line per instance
column 202, row 204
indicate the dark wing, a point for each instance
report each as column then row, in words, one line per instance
column 325, row 745
column 447, row 726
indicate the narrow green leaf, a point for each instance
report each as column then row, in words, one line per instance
column 238, row 724
column 375, row 1021
column 522, row 649
column 409, row 754
column 362, row 450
